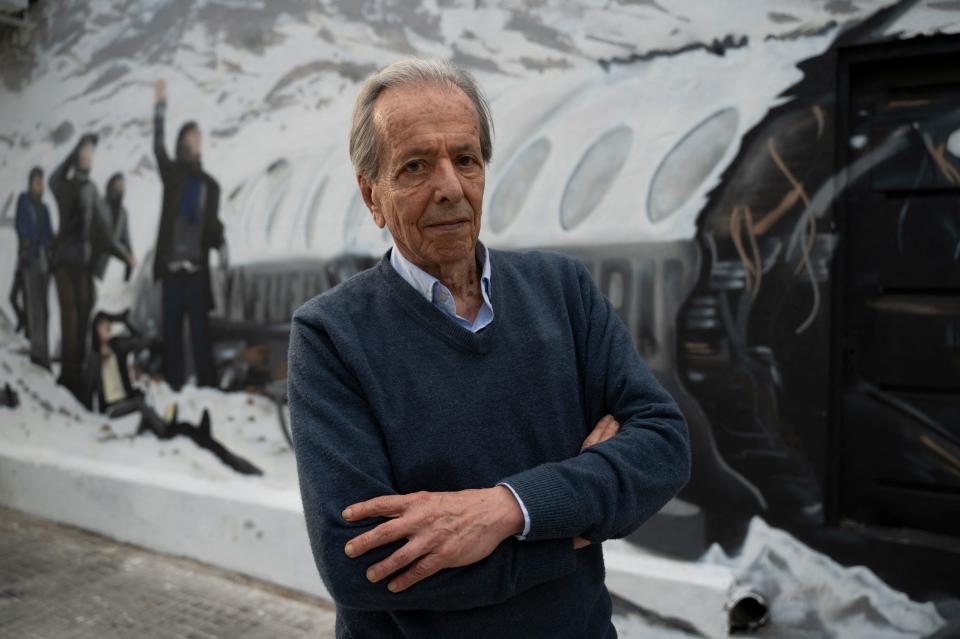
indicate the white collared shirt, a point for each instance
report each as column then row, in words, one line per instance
column 440, row 296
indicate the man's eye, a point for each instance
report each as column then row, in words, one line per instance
column 413, row 167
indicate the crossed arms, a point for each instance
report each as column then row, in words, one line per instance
column 459, row 547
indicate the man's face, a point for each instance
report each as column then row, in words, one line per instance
column 36, row 185
column 191, row 140
column 85, row 157
column 429, row 193
column 117, row 188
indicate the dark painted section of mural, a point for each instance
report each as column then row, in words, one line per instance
column 818, row 276
column 899, row 395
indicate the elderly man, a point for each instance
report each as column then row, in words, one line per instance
column 443, row 402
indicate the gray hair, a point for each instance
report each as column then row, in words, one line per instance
column 364, row 142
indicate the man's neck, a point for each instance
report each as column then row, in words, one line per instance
column 462, row 279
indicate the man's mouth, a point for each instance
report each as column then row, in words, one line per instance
column 447, row 224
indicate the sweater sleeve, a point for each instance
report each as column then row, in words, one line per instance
column 341, row 460
column 611, row 488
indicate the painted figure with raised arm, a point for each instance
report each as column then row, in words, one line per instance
column 189, row 228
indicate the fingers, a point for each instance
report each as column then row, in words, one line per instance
column 383, row 534
column 612, row 428
column 401, row 558
column 595, row 434
column 422, row 568
column 580, row 542
column 606, row 428
column 386, row 506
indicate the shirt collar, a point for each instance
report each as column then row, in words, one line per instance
column 439, row 295
column 429, row 286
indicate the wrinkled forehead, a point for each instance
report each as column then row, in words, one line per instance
column 402, row 113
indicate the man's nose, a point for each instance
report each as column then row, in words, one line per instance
column 447, row 185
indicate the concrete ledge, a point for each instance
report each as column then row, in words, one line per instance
column 238, row 525
column 699, row 595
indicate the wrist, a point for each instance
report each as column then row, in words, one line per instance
column 509, row 517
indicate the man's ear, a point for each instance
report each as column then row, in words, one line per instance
column 367, row 191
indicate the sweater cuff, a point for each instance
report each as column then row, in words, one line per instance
column 553, row 514
column 543, row 561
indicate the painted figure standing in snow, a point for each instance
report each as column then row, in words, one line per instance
column 34, row 235
column 118, row 223
column 83, row 233
column 469, row 424
column 189, row 228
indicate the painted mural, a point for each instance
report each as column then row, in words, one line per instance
column 767, row 192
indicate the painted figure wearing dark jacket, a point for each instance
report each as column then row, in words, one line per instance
column 34, row 236
column 118, row 223
column 189, row 228
column 83, row 233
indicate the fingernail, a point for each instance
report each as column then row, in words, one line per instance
column 392, row 586
column 348, row 513
column 371, row 575
column 349, row 550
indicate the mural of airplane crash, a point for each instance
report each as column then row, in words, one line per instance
column 775, row 217
column 711, row 225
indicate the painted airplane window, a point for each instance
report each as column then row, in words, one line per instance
column 594, row 175
column 690, row 162
column 512, row 189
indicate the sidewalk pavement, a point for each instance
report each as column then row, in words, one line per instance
column 58, row 582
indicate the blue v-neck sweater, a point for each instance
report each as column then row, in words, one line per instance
column 388, row 396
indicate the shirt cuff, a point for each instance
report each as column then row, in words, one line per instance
column 523, row 509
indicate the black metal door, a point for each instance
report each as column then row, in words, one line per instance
column 898, row 368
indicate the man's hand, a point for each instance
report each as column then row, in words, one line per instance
column 160, row 90
column 132, row 262
column 606, row 428
column 443, row 530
